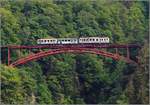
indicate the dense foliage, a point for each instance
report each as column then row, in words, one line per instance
column 69, row 78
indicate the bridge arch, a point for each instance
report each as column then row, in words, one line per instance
column 64, row 50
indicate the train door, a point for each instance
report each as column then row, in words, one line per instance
column 59, row 42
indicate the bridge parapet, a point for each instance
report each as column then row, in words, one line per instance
column 72, row 46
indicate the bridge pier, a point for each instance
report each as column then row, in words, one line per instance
column 8, row 56
column 128, row 53
column 117, row 51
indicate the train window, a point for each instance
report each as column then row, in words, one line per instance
column 96, row 39
column 93, row 39
column 90, row 39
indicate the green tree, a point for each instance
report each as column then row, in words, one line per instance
column 18, row 84
column 9, row 27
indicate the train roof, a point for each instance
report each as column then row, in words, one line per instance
column 71, row 38
column 95, row 37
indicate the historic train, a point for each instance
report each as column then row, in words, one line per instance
column 85, row 40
